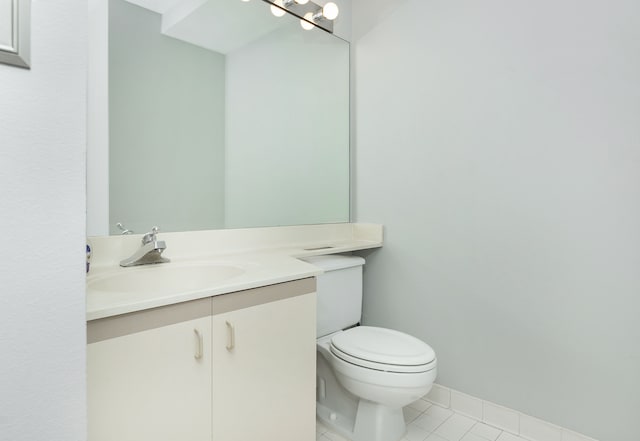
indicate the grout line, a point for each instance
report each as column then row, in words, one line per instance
column 443, row 421
column 469, row 429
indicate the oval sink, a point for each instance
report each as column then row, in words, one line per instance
column 165, row 278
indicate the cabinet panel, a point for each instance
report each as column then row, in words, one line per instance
column 264, row 387
column 149, row 385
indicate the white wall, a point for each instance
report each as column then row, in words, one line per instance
column 42, row 220
column 498, row 142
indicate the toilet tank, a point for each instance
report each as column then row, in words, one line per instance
column 339, row 292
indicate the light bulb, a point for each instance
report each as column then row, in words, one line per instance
column 330, row 11
column 302, row 2
column 305, row 24
column 277, row 11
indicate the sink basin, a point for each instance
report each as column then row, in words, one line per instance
column 167, row 278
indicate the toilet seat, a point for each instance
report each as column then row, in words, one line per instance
column 383, row 350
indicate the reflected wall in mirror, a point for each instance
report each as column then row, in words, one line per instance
column 224, row 116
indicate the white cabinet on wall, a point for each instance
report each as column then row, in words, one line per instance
column 235, row 367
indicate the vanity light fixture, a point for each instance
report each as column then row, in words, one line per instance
column 310, row 14
column 277, row 8
column 329, row 12
column 306, row 22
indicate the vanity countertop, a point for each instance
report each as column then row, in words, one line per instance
column 254, row 270
column 113, row 290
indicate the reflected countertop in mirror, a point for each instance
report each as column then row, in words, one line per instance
column 228, row 117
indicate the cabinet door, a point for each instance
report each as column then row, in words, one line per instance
column 264, row 371
column 153, row 384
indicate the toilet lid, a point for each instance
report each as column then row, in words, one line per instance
column 392, row 350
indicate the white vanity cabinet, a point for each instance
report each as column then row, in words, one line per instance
column 149, row 375
column 264, row 356
column 234, row 367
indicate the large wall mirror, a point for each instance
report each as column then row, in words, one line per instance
column 220, row 115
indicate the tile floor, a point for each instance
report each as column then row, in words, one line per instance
column 429, row 422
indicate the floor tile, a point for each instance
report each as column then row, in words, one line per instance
column 410, row 414
column 427, row 422
column 434, row 437
column 486, row 431
column 420, row 405
column 506, row 436
column 437, row 423
column 470, row 436
column 439, row 412
column 416, row 433
column 454, row 428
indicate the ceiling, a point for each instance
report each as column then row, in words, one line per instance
column 218, row 25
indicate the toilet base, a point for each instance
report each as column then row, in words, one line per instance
column 352, row 417
column 339, row 424
column 374, row 422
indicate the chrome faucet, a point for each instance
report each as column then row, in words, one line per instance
column 150, row 251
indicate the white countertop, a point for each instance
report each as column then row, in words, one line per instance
column 259, row 268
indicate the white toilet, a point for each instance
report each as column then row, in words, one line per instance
column 366, row 375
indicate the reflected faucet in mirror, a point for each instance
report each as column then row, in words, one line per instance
column 123, row 229
column 149, row 253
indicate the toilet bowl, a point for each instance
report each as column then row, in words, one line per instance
column 380, row 377
column 365, row 375
column 381, row 365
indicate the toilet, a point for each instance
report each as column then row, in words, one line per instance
column 365, row 375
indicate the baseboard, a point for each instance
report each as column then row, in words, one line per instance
column 501, row 417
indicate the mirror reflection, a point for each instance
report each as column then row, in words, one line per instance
column 224, row 117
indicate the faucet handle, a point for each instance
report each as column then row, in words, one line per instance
column 150, row 236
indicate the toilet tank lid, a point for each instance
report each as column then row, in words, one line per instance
column 333, row 262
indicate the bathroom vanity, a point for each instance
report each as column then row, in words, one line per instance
column 230, row 359
column 201, row 370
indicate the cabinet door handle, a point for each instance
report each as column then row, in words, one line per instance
column 198, row 353
column 231, row 337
